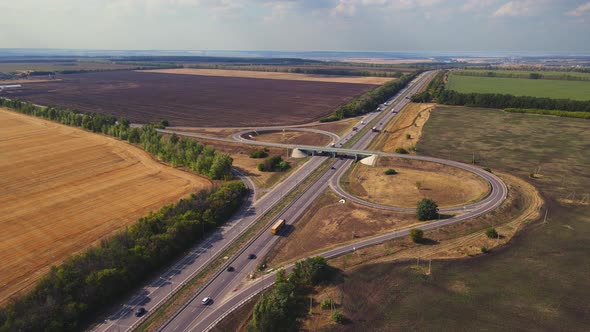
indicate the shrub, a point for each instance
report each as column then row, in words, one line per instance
column 484, row 250
column 408, row 136
column 338, row 317
column 401, row 151
column 326, row 304
column 426, row 209
column 487, row 169
column 390, row 171
column 412, row 149
column 273, row 164
column 259, row 154
column 164, row 123
column 417, row 235
column 491, row 233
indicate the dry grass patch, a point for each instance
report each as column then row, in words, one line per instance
column 273, row 75
column 64, row 188
column 328, row 223
column 409, row 121
column 457, row 241
column 522, row 205
column 336, row 127
column 294, row 137
column 447, row 186
column 212, row 132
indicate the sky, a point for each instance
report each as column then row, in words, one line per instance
column 303, row 25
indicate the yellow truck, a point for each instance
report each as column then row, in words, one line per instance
column 277, row 226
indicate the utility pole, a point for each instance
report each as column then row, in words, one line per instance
column 429, row 266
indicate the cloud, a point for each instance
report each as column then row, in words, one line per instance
column 351, row 7
column 580, row 10
column 345, row 7
column 520, row 8
column 472, row 5
column 279, row 10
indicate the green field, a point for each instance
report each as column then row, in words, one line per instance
column 557, row 89
column 525, row 73
column 540, row 282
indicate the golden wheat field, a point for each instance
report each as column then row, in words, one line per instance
column 62, row 189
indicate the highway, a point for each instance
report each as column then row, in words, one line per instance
column 229, row 289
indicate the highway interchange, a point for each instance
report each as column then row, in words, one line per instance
column 229, row 289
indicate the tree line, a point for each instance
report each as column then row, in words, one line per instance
column 369, row 101
column 280, row 308
column 436, row 92
column 177, row 151
column 85, row 285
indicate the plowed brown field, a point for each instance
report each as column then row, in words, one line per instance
column 191, row 100
column 64, row 188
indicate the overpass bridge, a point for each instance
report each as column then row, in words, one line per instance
column 303, row 151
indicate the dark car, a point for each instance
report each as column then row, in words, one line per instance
column 230, row 269
column 140, row 312
column 251, row 256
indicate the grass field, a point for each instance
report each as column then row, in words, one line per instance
column 575, row 90
column 525, row 73
column 539, row 281
column 63, row 189
column 274, row 75
column 409, row 121
column 294, row 137
column 448, row 186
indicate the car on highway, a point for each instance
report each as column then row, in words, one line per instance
column 230, row 269
column 251, row 256
column 140, row 312
column 206, row 301
column 354, row 129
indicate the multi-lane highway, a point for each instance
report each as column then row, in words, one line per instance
column 228, row 289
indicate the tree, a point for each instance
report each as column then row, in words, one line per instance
column 491, row 233
column 259, row 154
column 326, row 303
column 338, row 317
column 390, row 171
column 401, row 151
column 417, row 235
column 426, row 209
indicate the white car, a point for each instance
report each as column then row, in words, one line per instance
column 206, row 301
